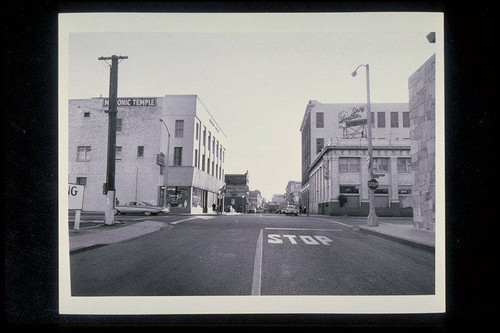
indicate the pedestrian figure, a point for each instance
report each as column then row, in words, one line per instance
column 117, row 202
column 213, row 207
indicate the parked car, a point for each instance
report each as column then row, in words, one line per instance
column 140, row 207
column 291, row 209
column 251, row 210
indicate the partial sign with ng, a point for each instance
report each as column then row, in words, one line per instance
column 75, row 196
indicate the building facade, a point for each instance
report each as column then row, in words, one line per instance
column 255, row 200
column 237, row 192
column 335, row 151
column 279, row 201
column 422, row 92
column 190, row 161
column 292, row 192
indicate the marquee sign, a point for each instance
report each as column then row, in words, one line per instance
column 140, row 101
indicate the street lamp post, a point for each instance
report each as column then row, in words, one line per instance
column 372, row 220
column 165, row 166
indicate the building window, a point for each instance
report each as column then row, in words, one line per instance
column 217, row 171
column 177, row 156
column 320, row 118
column 373, row 119
column 86, row 114
column 196, row 157
column 81, row 181
column 404, row 189
column 204, row 136
column 197, row 130
column 212, row 168
column 380, row 119
column 220, row 173
column 381, row 190
column 83, row 153
column 179, row 128
column 404, row 164
column 118, row 125
column 209, row 140
column 140, row 151
column 213, row 143
column 347, row 164
column 217, row 150
column 203, row 163
column 406, row 119
column 208, row 165
column 380, row 164
column 349, row 189
column 118, row 156
column 320, row 143
column 394, row 120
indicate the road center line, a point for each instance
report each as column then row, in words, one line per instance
column 303, row 229
column 257, row 266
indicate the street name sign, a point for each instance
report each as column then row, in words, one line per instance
column 372, row 184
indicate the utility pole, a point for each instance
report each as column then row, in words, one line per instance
column 165, row 166
column 372, row 215
column 109, row 186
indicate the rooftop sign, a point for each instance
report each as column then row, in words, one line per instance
column 133, row 101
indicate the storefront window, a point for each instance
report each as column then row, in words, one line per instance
column 178, row 196
column 196, row 201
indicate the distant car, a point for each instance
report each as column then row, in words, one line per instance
column 251, row 210
column 291, row 209
column 140, row 207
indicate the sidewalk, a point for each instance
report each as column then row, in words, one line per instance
column 397, row 229
column 102, row 234
column 407, row 234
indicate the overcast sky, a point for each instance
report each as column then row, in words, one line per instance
column 255, row 73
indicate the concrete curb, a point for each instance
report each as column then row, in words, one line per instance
column 399, row 239
column 95, row 243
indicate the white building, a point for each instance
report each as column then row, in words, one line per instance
column 195, row 158
column 334, row 156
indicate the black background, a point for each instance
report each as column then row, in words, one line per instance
column 30, row 177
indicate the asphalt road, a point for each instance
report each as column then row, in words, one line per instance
column 256, row 254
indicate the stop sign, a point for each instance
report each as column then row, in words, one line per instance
column 372, row 184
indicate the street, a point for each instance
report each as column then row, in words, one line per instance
column 253, row 254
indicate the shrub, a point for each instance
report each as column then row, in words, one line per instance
column 342, row 200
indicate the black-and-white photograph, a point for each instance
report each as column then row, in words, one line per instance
column 214, row 163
